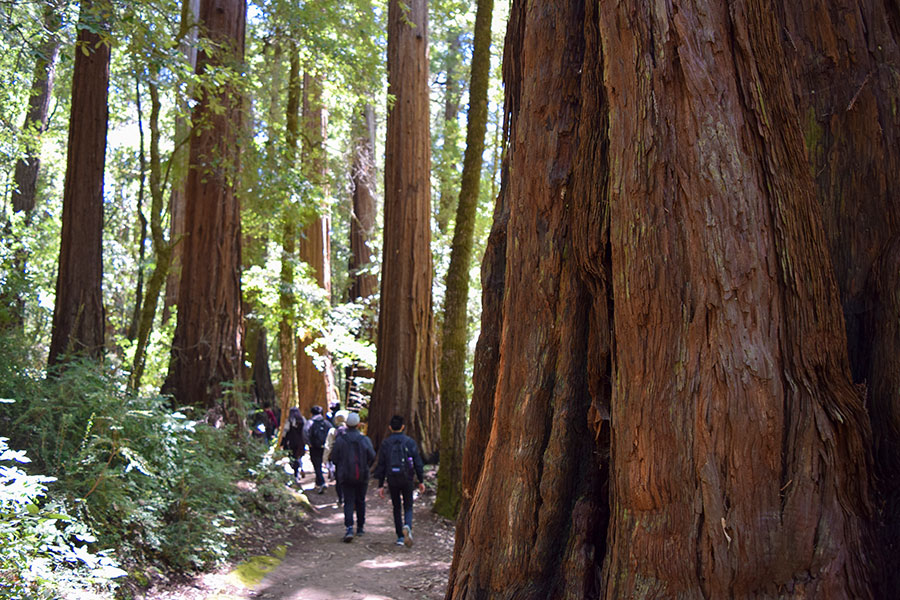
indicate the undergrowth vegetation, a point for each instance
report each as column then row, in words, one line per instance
column 116, row 482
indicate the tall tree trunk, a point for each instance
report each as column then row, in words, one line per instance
column 362, row 220
column 78, row 317
column 852, row 133
column 36, row 118
column 288, row 391
column 188, row 33
column 454, row 337
column 665, row 291
column 315, row 387
column 449, row 152
column 406, row 374
column 162, row 248
column 207, row 348
column 142, row 219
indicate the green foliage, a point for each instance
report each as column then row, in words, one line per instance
column 43, row 550
column 149, row 481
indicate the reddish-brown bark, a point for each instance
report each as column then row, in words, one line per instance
column 78, row 317
column 190, row 10
column 852, row 132
column 208, row 344
column 406, row 371
column 668, row 300
column 314, row 386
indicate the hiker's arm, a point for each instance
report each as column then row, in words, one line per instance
column 329, row 445
column 380, row 467
column 417, row 462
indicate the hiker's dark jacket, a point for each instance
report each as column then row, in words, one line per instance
column 384, row 453
column 342, row 455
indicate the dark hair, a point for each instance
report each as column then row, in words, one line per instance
column 316, row 410
column 396, row 423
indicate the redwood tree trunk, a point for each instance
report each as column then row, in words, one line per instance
column 314, row 386
column 286, row 296
column 665, row 290
column 852, row 133
column 406, row 374
column 207, row 348
column 78, row 317
column 190, row 9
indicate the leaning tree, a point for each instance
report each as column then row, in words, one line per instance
column 663, row 403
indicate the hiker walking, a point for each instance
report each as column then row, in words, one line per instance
column 340, row 417
column 353, row 454
column 400, row 463
column 294, row 440
column 317, row 432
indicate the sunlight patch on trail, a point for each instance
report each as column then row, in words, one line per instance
column 376, row 563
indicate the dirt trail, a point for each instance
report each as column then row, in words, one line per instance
column 319, row 566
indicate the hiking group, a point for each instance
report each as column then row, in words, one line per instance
column 334, row 440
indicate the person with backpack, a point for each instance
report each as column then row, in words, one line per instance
column 317, row 432
column 340, row 428
column 400, row 464
column 294, row 440
column 353, row 455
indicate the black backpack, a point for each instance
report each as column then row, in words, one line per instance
column 318, row 433
column 400, row 469
column 354, row 468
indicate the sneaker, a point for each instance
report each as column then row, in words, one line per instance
column 360, row 532
column 348, row 537
column 322, row 490
column 407, row 536
column 400, row 541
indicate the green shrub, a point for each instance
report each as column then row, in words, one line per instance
column 43, row 550
column 155, row 483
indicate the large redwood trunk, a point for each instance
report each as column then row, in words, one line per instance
column 852, row 133
column 78, row 317
column 315, row 386
column 207, row 348
column 406, row 373
column 667, row 308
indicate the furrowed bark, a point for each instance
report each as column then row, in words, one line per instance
column 406, row 373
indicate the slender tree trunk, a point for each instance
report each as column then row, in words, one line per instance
column 315, row 387
column 454, row 338
column 207, row 348
column 362, row 220
column 142, row 220
column 852, row 134
column 78, row 317
column 36, row 118
column 190, row 11
column 162, row 248
column 288, row 391
column 666, row 294
column 406, row 374
column 449, row 153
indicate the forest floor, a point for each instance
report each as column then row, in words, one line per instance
column 317, row 565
